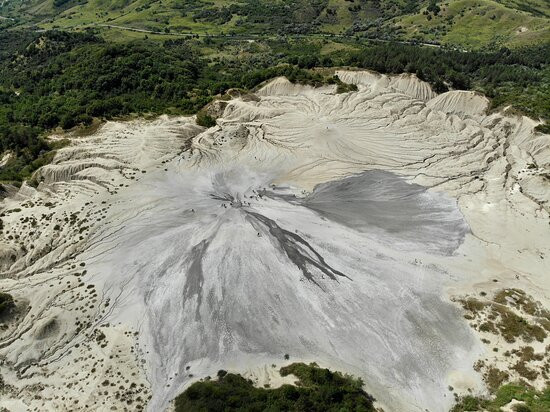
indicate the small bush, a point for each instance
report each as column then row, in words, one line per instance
column 205, row 120
column 6, row 302
column 543, row 128
column 318, row 389
column 346, row 88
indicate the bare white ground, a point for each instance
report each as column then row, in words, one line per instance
column 327, row 227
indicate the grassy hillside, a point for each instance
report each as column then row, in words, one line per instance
column 316, row 390
column 473, row 23
column 463, row 23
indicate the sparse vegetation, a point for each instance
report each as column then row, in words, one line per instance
column 342, row 87
column 520, row 300
column 498, row 318
column 519, row 319
column 534, row 401
column 494, row 378
column 317, row 389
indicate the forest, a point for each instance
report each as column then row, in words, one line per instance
column 57, row 79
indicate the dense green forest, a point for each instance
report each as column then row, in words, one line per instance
column 317, row 390
column 59, row 79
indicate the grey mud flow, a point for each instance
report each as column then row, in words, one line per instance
column 321, row 277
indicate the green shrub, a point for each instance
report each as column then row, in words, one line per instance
column 345, row 88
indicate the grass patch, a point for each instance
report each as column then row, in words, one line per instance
column 511, row 314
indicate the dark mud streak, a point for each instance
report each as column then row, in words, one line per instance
column 195, row 276
column 381, row 200
column 298, row 250
column 226, row 197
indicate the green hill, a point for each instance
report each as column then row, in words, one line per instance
column 463, row 23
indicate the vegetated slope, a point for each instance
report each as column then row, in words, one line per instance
column 527, row 399
column 60, row 79
column 466, row 23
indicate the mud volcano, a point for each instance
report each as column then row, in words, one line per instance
column 326, row 226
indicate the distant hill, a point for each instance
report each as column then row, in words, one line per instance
column 463, row 23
